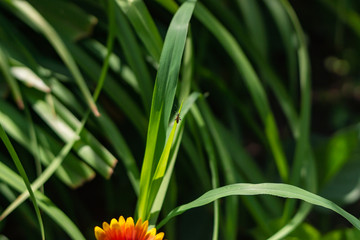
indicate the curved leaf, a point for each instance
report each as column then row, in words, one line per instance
column 275, row 189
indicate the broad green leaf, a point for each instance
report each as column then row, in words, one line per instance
column 335, row 152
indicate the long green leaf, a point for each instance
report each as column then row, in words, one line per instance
column 15, row 181
column 231, row 176
column 134, row 57
column 14, row 86
column 275, row 189
column 255, row 24
column 163, row 97
column 303, row 148
column 32, row 17
column 161, row 193
column 72, row 172
column 253, row 83
column 22, row 172
column 48, row 172
column 144, row 25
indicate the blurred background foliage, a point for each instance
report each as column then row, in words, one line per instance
column 280, row 87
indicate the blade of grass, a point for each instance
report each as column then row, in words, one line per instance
column 115, row 64
column 274, row 189
column 247, row 166
column 22, row 172
column 134, row 57
column 231, row 176
column 163, row 97
column 15, row 181
column 29, row 78
column 73, row 172
column 303, row 148
column 209, row 147
column 109, row 47
column 48, row 172
column 282, row 21
column 170, row 5
column 101, row 161
column 34, row 144
column 144, row 25
column 5, row 68
column 66, row 149
column 109, row 129
column 161, row 193
column 160, row 170
column 253, row 83
column 32, row 17
column 299, row 217
column 120, row 97
column 8, row 193
column 255, row 24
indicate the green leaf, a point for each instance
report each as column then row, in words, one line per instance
column 22, row 172
column 32, row 17
column 49, row 171
column 14, row 86
column 163, row 97
column 144, row 25
column 252, row 82
column 73, row 172
column 69, row 20
column 275, row 189
column 161, row 192
column 15, row 181
column 134, row 56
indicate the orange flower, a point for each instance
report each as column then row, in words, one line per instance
column 126, row 230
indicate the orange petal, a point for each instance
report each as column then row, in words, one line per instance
column 99, row 233
column 106, row 226
column 113, row 223
column 159, row 236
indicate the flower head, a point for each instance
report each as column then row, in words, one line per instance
column 126, row 230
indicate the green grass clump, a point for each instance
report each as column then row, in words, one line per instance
column 206, row 115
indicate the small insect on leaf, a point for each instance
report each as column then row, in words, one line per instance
column 177, row 118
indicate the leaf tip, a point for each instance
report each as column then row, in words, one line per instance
column 95, row 110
